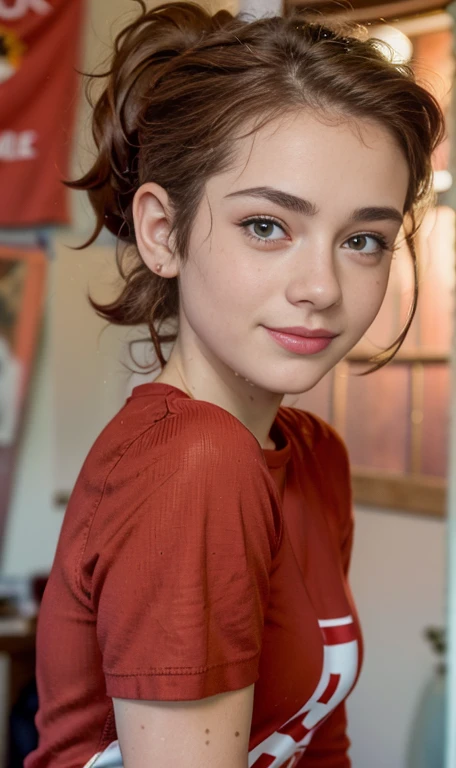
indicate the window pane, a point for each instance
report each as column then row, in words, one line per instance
column 436, row 280
column 436, row 408
column 377, row 421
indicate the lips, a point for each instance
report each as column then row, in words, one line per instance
column 302, row 341
column 318, row 333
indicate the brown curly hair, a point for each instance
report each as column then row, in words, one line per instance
column 181, row 86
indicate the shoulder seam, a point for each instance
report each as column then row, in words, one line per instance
column 239, row 430
column 77, row 573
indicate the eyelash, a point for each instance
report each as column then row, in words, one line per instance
column 380, row 239
column 255, row 220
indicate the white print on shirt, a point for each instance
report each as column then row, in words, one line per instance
column 110, row 758
column 20, row 8
column 340, row 667
column 18, row 146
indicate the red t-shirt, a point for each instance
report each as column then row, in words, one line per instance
column 193, row 562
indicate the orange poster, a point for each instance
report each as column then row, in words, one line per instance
column 40, row 42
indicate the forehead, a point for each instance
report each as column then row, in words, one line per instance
column 321, row 159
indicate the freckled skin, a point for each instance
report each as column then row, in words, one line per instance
column 308, row 273
column 307, row 277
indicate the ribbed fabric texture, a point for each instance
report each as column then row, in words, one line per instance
column 184, row 569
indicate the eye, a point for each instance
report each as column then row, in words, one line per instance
column 264, row 229
column 368, row 244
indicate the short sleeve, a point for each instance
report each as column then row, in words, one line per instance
column 180, row 554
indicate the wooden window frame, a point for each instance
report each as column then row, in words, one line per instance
column 412, row 493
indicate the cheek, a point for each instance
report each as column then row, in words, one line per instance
column 223, row 277
column 381, row 283
column 367, row 293
column 212, row 298
column 371, row 298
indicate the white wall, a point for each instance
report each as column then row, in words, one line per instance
column 398, row 562
column 33, row 528
column 69, row 400
column 397, row 576
column 78, row 384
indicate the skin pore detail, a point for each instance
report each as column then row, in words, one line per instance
column 254, row 178
column 298, row 232
column 298, row 204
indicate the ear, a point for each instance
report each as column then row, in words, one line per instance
column 152, row 216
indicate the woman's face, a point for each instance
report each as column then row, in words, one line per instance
column 297, row 234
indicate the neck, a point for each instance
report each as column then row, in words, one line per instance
column 218, row 384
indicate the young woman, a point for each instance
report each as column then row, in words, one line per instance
column 198, row 614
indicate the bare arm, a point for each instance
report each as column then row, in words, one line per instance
column 210, row 733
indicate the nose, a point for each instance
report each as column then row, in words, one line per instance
column 315, row 278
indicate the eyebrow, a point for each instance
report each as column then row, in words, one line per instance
column 305, row 207
column 284, row 199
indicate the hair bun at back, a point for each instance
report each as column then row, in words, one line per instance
column 184, row 85
column 143, row 54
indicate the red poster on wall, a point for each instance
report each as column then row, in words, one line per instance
column 40, row 43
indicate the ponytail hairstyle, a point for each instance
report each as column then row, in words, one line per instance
column 181, row 87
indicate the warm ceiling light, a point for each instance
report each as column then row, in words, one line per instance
column 443, row 181
column 259, row 8
column 401, row 46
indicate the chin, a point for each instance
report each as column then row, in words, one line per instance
column 301, row 387
column 296, row 382
column 287, row 386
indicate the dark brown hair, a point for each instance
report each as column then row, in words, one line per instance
column 183, row 84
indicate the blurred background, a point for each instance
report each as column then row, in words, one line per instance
column 63, row 373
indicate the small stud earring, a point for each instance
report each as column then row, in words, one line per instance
column 159, row 267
